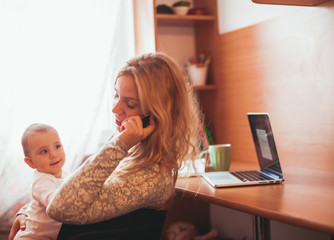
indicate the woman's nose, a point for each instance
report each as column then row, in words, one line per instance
column 116, row 108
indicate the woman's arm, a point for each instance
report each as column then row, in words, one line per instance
column 80, row 190
column 93, row 190
column 93, row 194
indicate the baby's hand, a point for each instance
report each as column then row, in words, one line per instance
column 18, row 224
column 132, row 130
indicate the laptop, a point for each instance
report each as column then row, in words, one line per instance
column 270, row 168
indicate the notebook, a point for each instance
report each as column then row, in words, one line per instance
column 270, row 168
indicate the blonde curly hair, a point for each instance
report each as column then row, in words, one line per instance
column 164, row 92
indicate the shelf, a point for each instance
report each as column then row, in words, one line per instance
column 292, row 2
column 205, row 87
column 182, row 20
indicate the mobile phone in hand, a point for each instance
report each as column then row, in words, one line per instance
column 146, row 120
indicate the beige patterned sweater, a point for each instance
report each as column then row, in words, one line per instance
column 93, row 193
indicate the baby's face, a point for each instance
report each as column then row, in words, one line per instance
column 46, row 152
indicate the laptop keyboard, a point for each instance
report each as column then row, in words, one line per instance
column 247, row 176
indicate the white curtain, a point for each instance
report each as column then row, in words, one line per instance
column 58, row 59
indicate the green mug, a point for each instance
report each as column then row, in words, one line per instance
column 220, row 157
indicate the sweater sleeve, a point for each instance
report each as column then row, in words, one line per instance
column 93, row 193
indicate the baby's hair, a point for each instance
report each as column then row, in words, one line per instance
column 35, row 127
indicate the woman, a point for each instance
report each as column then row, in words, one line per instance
column 137, row 168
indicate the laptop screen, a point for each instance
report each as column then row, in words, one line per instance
column 264, row 142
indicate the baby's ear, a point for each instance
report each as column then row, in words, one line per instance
column 29, row 162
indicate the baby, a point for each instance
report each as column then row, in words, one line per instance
column 44, row 152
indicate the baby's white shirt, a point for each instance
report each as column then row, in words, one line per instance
column 38, row 224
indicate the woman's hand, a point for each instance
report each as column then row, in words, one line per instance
column 132, row 130
column 18, row 224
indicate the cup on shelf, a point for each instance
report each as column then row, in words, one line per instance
column 181, row 10
column 198, row 74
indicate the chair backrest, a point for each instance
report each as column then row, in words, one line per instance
column 142, row 224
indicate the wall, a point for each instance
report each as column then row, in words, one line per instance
column 237, row 14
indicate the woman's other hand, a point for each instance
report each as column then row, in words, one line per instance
column 18, row 224
column 132, row 130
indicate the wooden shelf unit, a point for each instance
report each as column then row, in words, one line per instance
column 205, row 87
column 183, row 20
column 183, row 23
column 292, row 2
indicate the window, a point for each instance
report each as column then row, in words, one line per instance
column 57, row 63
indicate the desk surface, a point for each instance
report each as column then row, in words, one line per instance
column 305, row 199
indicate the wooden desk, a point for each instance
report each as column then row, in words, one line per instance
column 305, row 199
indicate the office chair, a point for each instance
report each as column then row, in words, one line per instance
column 142, row 224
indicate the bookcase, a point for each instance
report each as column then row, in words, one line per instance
column 182, row 36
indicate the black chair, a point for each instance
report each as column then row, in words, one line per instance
column 143, row 224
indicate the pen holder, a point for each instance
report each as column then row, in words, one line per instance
column 198, row 73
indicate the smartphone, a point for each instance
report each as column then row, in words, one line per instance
column 146, row 120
